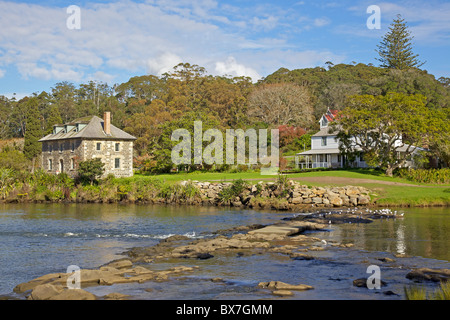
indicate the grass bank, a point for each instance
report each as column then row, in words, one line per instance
column 386, row 191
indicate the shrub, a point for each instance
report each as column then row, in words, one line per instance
column 425, row 175
column 90, row 170
column 233, row 190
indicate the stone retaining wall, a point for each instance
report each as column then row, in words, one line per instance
column 290, row 195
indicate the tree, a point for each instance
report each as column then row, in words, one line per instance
column 381, row 126
column 90, row 170
column 54, row 117
column 33, row 131
column 395, row 49
column 279, row 104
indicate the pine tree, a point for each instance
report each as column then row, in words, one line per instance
column 395, row 49
column 33, row 131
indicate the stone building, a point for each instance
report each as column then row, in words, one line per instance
column 87, row 138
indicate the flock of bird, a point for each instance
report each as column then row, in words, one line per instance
column 385, row 212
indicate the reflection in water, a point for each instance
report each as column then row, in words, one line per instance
column 421, row 232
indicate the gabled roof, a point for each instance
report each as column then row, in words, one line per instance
column 93, row 129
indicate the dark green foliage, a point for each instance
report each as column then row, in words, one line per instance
column 233, row 190
column 53, row 118
column 32, row 148
column 90, row 170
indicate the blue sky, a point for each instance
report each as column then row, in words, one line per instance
column 121, row 39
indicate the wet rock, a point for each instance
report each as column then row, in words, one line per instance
column 362, row 283
column 386, row 260
column 427, row 274
column 300, row 256
column 278, row 285
column 116, row 296
column 282, row 293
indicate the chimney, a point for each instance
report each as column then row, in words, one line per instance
column 107, row 123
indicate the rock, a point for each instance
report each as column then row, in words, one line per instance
column 363, row 200
column 317, row 200
column 352, row 191
column 427, row 274
column 362, row 283
column 119, row 264
column 282, row 293
column 337, row 201
column 30, row 285
column 278, row 285
column 74, row 294
column 386, row 260
column 300, row 256
column 297, row 200
column 204, row 256
column 116, row 296
column 45, row 291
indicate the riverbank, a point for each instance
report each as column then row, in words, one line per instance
column 292, row 242
column 284, row 192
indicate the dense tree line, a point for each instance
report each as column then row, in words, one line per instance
column 146, row 106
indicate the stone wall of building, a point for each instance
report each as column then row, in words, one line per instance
column 118, row 160
column 65, row 155
column 62, row 156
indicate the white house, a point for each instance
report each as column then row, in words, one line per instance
column 325, row 151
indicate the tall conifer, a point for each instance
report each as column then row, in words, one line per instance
column 395, row 49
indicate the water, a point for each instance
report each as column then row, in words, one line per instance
column 38, row 239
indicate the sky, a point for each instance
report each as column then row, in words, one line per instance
column 43, row 43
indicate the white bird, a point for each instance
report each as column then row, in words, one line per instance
column 324, row 242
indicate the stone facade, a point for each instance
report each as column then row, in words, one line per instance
column 84, row 139
column 116, row 155
column 65, row 155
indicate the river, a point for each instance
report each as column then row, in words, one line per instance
column 37, row 239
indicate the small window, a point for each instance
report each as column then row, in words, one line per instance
column 50, row 148
column 117, row 163
column 61, row 147
column 99, row 146
column 324, row 141
column 73, row 146
column 50, row 164
column 117, row 147
column 72, row 164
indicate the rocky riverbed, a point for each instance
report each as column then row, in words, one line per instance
column 294, row 238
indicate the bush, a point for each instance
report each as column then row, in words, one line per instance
column 232, row 191
column 90, row 170
column 441, row 176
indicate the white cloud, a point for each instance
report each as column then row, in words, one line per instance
column 232, row 68
column 2, row 73
column 320, row 22
column 153, row 36
column 163, row 63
